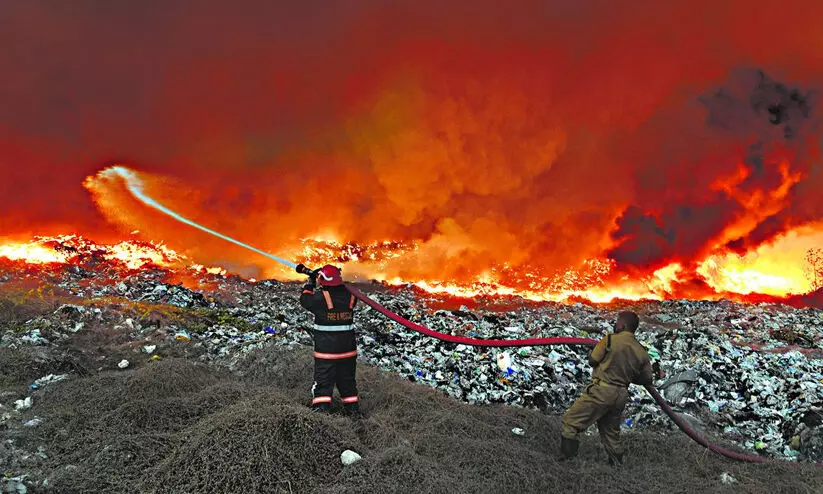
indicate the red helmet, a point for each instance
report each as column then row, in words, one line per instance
column 329, row 276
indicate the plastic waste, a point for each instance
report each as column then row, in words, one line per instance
column 182, row 336
column 49, row 379
column 726, row 478
column 123, row 364
column 348, row 457
column 503, row 361
column 23, row 404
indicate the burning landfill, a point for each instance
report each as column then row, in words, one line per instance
column 484, row 170
column 752, row 374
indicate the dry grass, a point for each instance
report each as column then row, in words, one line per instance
column 177, row 426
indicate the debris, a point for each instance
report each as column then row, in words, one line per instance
column 149, row 349
column 33, row 422
column 518, row 431
column 23, row 404
column 49, row 379
column 33, row 337
column 348, row 457
column 182, row 336
column 504, row 361
column 123, row 364
column 678, row 386
column 726, row 478
column 15, row 485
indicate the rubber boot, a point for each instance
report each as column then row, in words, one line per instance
column 353, row 411
column 321, row 408
column 568, row 448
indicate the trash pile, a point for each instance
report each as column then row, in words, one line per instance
column 753, row 373
column 727, row 370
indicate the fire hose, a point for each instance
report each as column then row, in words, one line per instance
column 135, row 186
column 463, row 340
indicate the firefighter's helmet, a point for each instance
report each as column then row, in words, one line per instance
column 329, row 276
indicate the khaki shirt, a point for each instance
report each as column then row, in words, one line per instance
column 626, row 361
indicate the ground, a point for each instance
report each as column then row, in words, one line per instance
column 226, row 409
column 177, row 425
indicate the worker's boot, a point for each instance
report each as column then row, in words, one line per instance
column 353, row 410
column 615, row 460
column 321, row 408
column 568, row 448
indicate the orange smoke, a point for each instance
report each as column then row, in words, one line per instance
column 548, row 148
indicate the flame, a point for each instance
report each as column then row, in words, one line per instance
column 132, row 254
column 653, row 288
column 775, row 269
column 32, row 253
column 778, row 269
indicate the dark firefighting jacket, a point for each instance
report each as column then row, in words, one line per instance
column 333, row 309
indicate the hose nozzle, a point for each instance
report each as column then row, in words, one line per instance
column 302, row 269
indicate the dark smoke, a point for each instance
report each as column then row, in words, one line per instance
column 752, row 112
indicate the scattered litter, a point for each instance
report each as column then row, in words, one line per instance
column 348, row 457
column 33, row 337
column 504, row 361
column 14, row 485
column 726, row 478
column 49, row 379
column 149, row 349
column 518, row 431
column 182, row 336
column 33, row 422
column 23, row 404
column 123, row 364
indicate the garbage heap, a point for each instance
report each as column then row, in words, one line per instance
column 749, row 372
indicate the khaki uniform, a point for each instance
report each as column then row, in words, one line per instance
column 618, row 360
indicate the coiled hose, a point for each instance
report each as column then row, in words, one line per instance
column 667, row 409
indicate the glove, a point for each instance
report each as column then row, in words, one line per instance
column 302, row 269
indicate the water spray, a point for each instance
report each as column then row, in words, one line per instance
column 135, row 186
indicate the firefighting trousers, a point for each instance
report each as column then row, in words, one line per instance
column 603, row 404
column 334, row 369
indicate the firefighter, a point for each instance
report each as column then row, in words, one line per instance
column 335, row 347
column 617, row 360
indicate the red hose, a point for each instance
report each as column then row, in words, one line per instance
column 681, row 424
column 685, row 427
column 465, row 340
